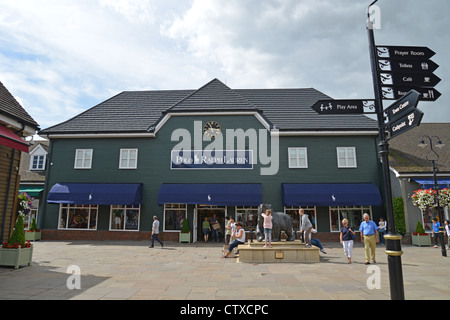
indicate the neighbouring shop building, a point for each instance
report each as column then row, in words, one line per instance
column 191, row 154
column 411, row 171
column 15, row 125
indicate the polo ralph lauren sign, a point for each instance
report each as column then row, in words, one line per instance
column 211, row 159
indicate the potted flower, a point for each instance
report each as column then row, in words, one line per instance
column 33, row 233
column 16, row 251
column 185, row 234
column 420, row 237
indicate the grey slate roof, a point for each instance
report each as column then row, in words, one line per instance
column 139, row 111
column 407, row 157
column 10, row 107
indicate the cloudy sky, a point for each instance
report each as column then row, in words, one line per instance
column 61, row 57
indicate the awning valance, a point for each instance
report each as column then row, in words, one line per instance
column 32, row 191
column 211, row 194
column 12, row 140
column 338, row 194
column 96, row 193
column 429, row 183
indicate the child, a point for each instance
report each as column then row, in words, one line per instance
column 267, row 227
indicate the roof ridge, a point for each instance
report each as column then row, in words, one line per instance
column 197, row 95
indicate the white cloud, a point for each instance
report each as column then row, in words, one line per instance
column 62, row 57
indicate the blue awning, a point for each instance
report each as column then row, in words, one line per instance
column 338, row 194
column 211, row 194
column 96, row 193
column 429, row 183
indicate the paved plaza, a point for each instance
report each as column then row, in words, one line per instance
column 132, row 270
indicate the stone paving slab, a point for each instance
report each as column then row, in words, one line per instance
column 133, row 271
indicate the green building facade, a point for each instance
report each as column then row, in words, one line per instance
column 244, row 147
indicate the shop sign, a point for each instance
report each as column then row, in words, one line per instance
column 211, row 159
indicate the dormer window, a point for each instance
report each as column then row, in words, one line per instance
column 37, row 159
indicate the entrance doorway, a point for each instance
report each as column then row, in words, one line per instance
column 209, row 212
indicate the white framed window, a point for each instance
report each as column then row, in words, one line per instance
column 125, row 218
column 77, row 217
column 37, row 163
column 298, row 157
column 83, row 158
column 37, row 159
column 128, row 158
column 346, row 157
column 174, row 214
column 354, row 215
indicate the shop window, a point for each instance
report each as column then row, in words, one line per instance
column 354, row 215
column 293, row 212
column 298, row 158
column 125, row 218
column 174, row 214
column 33, row 213
column 80, row 217
column 248, row 216
column 128, row 158
column 83, row 158
column 346, row 157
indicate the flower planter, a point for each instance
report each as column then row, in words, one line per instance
column 33, row 235
column 421, row 240
column 16, row 257
column 185, row 237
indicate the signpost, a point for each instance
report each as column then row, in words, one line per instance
column 401, row 69
column 403, row 106
column 399, row 73
column 405, row 123
column 396, row 92
column 342, row 106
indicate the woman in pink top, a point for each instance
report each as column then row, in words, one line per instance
column 267, row 226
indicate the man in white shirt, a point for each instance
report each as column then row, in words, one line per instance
column 155, row 232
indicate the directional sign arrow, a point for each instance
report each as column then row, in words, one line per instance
column 404, row 124
column 342, row 106
column 409, row 53
column 396, row 92
column 403, row 106
column 407, row 66
column 411, row 79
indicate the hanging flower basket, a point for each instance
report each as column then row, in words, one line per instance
column 444, row 197
column 424, row 198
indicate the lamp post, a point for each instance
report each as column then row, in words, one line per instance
column 433, row 156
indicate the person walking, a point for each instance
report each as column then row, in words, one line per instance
column 206, row 229
column 228, row 231
column 435, row 232
column 267, row 227
column 214, row 228
column 306, row 227
column 447, row 228
column 369, row 236
column 382, row 229
column 347, row 236
column 240, row 239
column 155, row 232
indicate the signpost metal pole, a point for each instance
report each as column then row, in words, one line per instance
column 393, row 243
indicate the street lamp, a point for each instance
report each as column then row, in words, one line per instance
column 433, row 156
